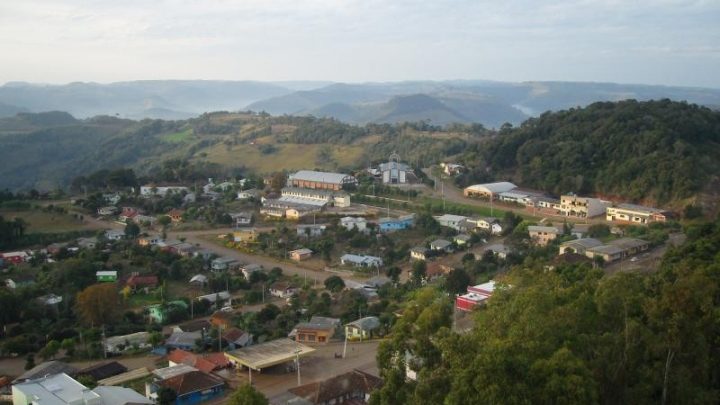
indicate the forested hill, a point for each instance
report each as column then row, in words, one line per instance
column 654, row 152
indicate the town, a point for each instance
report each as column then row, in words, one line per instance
column 287, row 282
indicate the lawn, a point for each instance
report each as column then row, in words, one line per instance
column 44, row 222
column 287, row 157
column 178, row 137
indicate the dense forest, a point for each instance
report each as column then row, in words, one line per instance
column 571, row 335
column 654, row 151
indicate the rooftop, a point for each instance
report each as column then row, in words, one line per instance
column 269, row 354
column 120, row 396
column 193, row 381
column 324, row 177
column 336, row 387
column 497, row 187
column 47, row 368
column 58, row 389
column 367, row 323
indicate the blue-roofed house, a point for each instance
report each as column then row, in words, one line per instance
column 395, row 224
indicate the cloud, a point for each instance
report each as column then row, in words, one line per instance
column 353, row 40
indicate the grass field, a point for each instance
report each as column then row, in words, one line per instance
column 178, row 137
column 39, row 221
column 287, row 157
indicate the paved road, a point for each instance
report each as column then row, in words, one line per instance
column 195, row 238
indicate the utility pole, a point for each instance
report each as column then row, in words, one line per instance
column 297, row 362
column 103, row 342
column 345, row 345
column 442, row 187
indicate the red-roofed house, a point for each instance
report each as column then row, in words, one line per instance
column 192, row 388
column 476, row 295
column 128, row 213
column 176, row 215
column 236, row 338
column 205, row 364
column 136, row 281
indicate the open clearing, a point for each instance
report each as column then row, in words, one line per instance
column 40, row 221
column 287, row 157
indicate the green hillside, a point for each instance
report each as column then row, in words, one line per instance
column 654, row 152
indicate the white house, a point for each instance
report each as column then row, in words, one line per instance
column 351, row 223
column 150, row 190
column 491, row 225
column 360, row 260
column 450, row 221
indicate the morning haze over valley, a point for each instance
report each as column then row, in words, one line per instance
column 359, row 202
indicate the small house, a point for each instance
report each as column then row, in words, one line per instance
column 351, row 223
column 248, row 194
column 419, row 253
column 184, row 340
column 223, row 264
column 237, row 338
column 301, row 254
column 462, row 239
column 363, row 329
column 245, row 235
column 318, row 330
column 176, row 215
column 191, row 388
column 360, row 260
column 311, row 231
column 114, row 234
column 106, row 276
column 282, row 289
column 443, row 245
column 241, row 219
column 249, row 269
column 396, row 224
column 120, row 344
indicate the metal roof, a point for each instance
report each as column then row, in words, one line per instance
column 323, row 177
column 498, row 187
column 268, row 354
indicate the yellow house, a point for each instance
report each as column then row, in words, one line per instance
column 245, row 235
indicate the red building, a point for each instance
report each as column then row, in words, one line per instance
column 476, row 295
column 15, row 257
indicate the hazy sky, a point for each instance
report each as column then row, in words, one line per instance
column 630, row 41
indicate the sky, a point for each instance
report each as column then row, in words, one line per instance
column 626, row 41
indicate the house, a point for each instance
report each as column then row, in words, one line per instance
column 176, row 215
column 579, row 246
column 191, row 388
column 189, row 198
column 452, row 169
column 107, row 211
column 222, row 298
column 61, row 389
column 441, row 245
column 435, row 270
column 282, row 289
column 150, row 190
column 197, row 325
column 363, row 329
column 103, row 370
column 15, row 257
column 462, row 239
column 106, row 276
column 351, row 388
column 56, row 389
column 320, row 180
column 150, row 240
column 635, row 214
column 164, row 373
column 136, row 281
column 491, row 225
column 547, row 203
column 206, row 364
column 221, row 319
column 318, row 330
column 395, row 172
column 119, row 344
column 419, row 253
column 184, row 340
column 450, row 221
column 199, row 280
column 248, row 194
column 120, row 396
column 360, row 260
column 185, row 249
column 488, row 190
column 87, row 243
column 618, row 249
column 301, row 254
column 498, row 249
column 223, row 264
column 236, row 338
column 245, row 235
column 572, row 205
column 46, row 369
column 250, row 268
column 542, row 235
column 127, row 214
column 311, row 231
column 395, row 224
column 113, row 234
column 351, row 223
column 241, row 219
column 475, row 296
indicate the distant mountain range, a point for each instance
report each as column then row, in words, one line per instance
column 462, row 101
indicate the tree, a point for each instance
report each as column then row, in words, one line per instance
column 457, row 281
column 164, row 220
column 334, row 283
column 166, row 396
column 98, row 304
column 29, row 361
column 87, row 381
column 247, row 395
column 132, row 230
column 419, row 269
column 277, row 181
column 69, row 346
column 154, row 339
column 50, row 350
